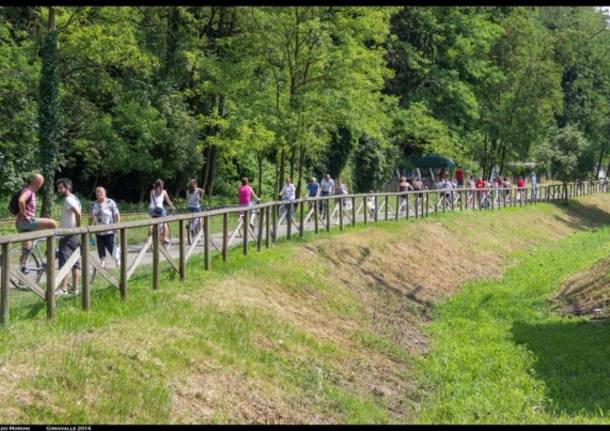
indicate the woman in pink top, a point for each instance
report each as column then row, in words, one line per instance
column 245, row 193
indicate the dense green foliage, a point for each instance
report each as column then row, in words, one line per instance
column 269, row 92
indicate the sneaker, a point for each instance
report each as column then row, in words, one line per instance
column 73, row 292
column 61, row 292
column 25, row 270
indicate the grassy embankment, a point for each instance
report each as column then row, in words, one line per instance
column 328, row 329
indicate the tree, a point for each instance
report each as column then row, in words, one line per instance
column 566, row 153
column 49, row 112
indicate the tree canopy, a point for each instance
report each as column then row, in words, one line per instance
column 121, row 96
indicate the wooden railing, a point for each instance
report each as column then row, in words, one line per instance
column 272, row 218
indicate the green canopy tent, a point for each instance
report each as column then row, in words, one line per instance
column 432, row 163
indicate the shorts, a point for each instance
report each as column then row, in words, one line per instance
column 67, row 246
column 194, row 209
column 25, row 225
column 151, row 212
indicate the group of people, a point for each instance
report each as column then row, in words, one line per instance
column 104, row 211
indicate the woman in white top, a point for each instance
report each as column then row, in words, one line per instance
column 159, row 196
column 194, row 194
column 104, row 211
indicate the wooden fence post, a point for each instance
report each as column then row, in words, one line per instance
column 206, row 243
column 123, row 283
column 155, row 247
column 225, row 236
column 289, row 220
column 182, row 249
column 301, row 219
column 365, row 205
column 84, row 257
column 316, row 216
column 274, row 222
column 407, row 206
column 267, row 227
column 328, row 201
column 386, row 207
column 5, row 287
column 50, row 277
column 261, row 221
column 245, row 234
column 341, row 213
column 353, row 211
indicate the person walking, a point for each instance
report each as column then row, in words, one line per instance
column 70, row 219
column 23, row 206
column 403, row 187
column 313, row 190
column 327, row 188
column 104, row 211
column 288, row 194
column 459, row 176
column 520, row 188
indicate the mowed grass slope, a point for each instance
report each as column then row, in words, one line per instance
column 328, row 329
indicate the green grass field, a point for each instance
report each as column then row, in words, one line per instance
column 499, row 355
column 286, row 335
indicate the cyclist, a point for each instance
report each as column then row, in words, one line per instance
column 245, row 193
column 71, row 218
column 159, row 196
column 104, row 211
column 26, row 220
column 194, row 194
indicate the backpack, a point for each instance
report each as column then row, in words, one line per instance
column 13, row 205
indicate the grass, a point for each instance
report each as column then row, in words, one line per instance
column 499, row 355
column 280, row 336
column 109, row 376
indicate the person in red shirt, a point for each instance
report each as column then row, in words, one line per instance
column 459, row 176
column 482, row 194
column 520, row 187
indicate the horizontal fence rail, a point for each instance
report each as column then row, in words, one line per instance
column 261, row 224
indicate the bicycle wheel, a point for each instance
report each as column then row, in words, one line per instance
column 169, row 236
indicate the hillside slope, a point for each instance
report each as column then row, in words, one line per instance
column 329, row 329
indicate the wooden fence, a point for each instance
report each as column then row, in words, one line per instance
column 272, row 218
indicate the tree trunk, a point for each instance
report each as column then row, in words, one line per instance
column 293, row 156
column 212, row 171
column 282, row 169
column 599, row 163
column 501, row 171
column 49, row 113
column 301, row 168
column 259, row 157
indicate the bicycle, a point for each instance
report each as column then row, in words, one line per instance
column 36, row 266
column 168, row 243
column 193, row 228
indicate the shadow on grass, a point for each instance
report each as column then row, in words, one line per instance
column 585, row 216
column 572, row 360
